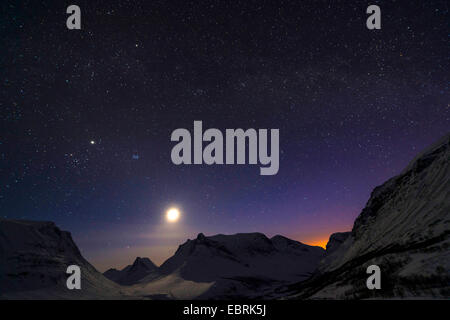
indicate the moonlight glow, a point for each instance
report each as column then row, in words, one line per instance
column 172, row 215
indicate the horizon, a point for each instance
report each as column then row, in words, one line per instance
column 87, row 116
column 104, row 265
column 320, row 240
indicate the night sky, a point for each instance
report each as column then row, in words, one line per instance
column 86, row 115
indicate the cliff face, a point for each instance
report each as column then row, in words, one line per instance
column 335, row 241
column 34, row 257
column 404, row 229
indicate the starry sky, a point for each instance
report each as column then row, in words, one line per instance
column 86, row 115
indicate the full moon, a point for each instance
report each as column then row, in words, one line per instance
column 172, row 215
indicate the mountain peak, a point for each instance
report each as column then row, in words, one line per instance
column 131, row 274
column 201, row 236
column 144, row 261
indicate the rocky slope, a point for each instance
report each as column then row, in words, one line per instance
column 34, row 257
column 404, row 229
column 335, row 241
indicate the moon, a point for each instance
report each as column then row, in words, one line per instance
column 172, row 215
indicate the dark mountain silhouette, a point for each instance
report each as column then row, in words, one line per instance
column 336, row 239
column 131, row 274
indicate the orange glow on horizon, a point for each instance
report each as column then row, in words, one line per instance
column 318, row 242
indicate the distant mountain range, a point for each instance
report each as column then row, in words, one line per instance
column 230, row 266
column 404, row 229
column 222, row 266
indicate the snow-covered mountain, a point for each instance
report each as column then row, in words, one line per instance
column 244, row 254
column 132, row 273
column 34, row 257
column 404, row 229
column 230, row 266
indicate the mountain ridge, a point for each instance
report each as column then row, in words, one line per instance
column 131, row 274
column 34, row 256
column 404, row 228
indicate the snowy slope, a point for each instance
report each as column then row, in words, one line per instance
column 245, row 254
column 34, row 257
column 230, row 266
column 404, row 229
